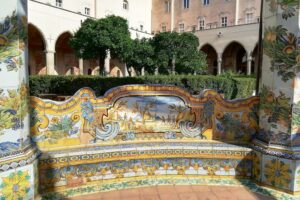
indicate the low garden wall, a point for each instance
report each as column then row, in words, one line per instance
column 138, row 135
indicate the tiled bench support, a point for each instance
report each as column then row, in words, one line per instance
column 141, row 132
column 277, row 143
column 18, row 166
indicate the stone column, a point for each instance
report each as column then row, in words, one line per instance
column 219, row 63
column 126, row 74
column 107, row 63
column 81, row 72
column 17, row 159
column 50, row 62
column 172, row 14
column 277, row 160
column 249, row 64
column 143, row 71
column 237, row 12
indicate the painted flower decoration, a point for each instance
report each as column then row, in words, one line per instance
column 55, row 120
column 278, row 173
column 16, row 185
column 219, row 115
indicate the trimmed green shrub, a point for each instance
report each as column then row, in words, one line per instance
column 240, row 87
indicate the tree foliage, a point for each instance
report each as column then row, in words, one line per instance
column 174, row 51
column 141, row 55
column 96, row 36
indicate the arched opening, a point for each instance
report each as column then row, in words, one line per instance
column 211, row 58
column 65, row 58
column 255, row 61
column 116, row 72
column 90, row 71
column 235, row 58
column 36, row 47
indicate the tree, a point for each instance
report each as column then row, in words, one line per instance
column 194, row 63
column 96, row 36
column 166, row 46
column 141, row 55
column 174, row 51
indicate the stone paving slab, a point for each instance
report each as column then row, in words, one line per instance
column 187, row 192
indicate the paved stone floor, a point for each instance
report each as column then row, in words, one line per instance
column 178, row 193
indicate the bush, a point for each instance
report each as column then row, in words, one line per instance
column 237, row 87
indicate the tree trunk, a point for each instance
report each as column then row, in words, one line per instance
column 101, row 65
column 173, row 65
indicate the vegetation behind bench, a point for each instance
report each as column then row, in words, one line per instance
column 233, row 87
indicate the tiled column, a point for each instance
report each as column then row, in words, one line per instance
column 278, row 141
column 17, row 158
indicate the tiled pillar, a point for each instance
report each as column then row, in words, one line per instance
column 17, row 157
column 278, row 141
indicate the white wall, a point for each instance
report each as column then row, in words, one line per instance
column 74, row 5
column 52, row 22
column 246, row 35
column 139, row 13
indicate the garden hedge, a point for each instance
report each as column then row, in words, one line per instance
column 232, row 87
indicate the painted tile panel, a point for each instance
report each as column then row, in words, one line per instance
column 158, row 113
column 14, row 125
column 18, row 183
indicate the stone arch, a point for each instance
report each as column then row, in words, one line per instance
column 234, row 58
column 211, row 58
column 65, row 58
column 37, row 46
column 116, row 72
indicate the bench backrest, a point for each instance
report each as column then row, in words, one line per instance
column 141, row 113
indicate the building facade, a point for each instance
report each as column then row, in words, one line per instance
column 53, row 22
column 227, row 29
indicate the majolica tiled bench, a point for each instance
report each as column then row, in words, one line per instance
column 141, row 135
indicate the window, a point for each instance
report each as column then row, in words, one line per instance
column 125, row 5
column 141, row 27
column 59, row 3
column 163, row 28
column 201, row 24
column 186, row 4
column 249, row 18
column 205, row 2
column 181, row 28
column 224, row 21
column 167, row 6
column 193, row 28
column 87, row 11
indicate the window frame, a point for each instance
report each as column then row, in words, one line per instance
column 125, row 5
column 186, row 4
column 224, row 21
column 205, row 2
column 201, row 24
column 181, row 28
column 87, row 11
column 59, row 3
column 168, row 6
